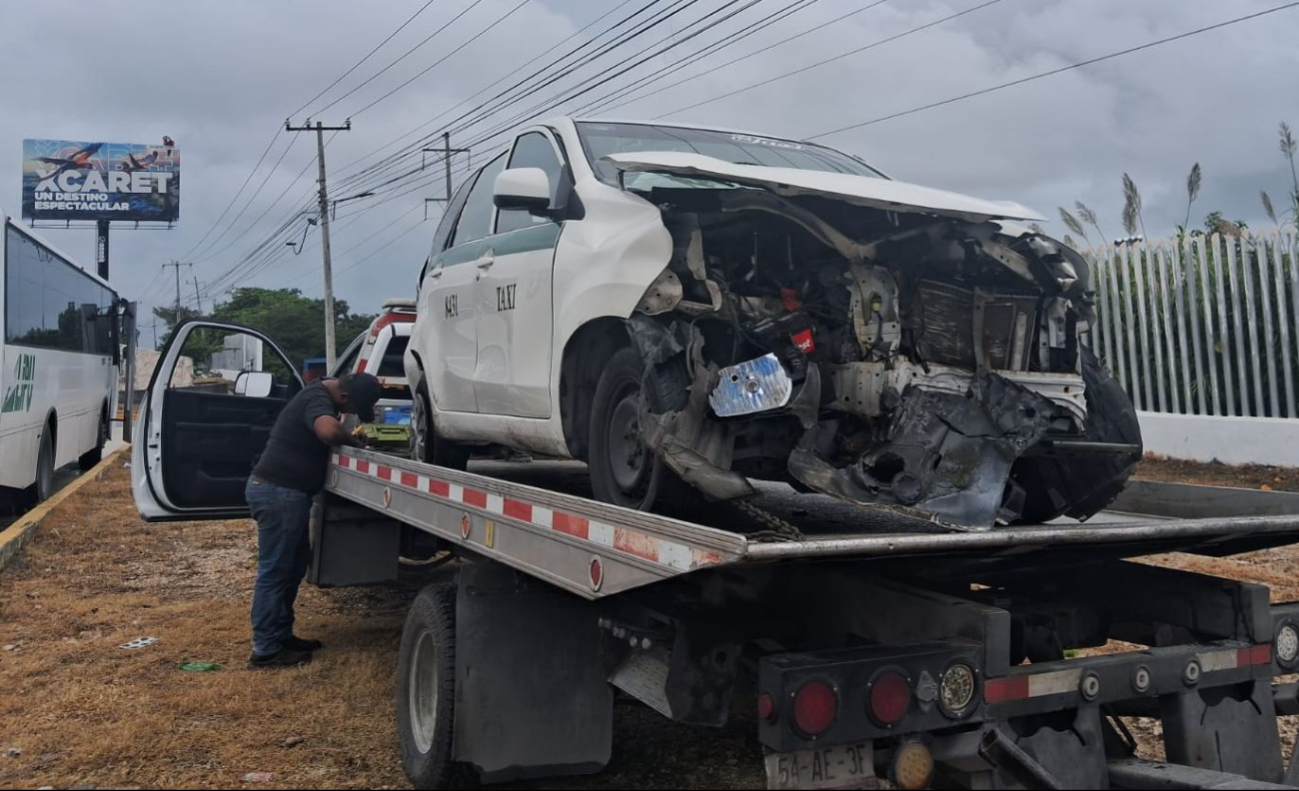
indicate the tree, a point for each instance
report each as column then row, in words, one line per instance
column 296, row 323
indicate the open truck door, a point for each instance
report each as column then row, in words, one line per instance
column 214, row 396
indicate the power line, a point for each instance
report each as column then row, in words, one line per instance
column 840, row 56
column 713, row 70
column 443, row 59
column 402, row 57
column 242, row 187
column 368, row 55
column 206, row 253
column 1061, row 70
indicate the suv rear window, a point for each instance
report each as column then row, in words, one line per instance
column 392, row 363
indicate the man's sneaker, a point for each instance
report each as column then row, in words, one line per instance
column 287, row 657
column 296, row 643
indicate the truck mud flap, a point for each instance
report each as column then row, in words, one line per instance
column 531, row 695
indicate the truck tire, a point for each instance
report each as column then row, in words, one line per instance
column 623, row 471
column 426, row 690
column 425, row 444
column 1084, row 485
column 93, row 456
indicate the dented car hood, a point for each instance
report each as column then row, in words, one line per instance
column 878, row 193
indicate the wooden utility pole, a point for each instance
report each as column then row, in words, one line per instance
column 197, row 296
column 320, row 129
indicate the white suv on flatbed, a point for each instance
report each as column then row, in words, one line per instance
column 688, row 308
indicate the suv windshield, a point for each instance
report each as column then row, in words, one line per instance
column 600, row 140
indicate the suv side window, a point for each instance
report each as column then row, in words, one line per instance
column 450, row 213
column 533, row 150
column 476, row 220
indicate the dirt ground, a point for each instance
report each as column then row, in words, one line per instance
column 1249, row 476
column 82, row 712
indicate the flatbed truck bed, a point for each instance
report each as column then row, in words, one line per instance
column 872, row 647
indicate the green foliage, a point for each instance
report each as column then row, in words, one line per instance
column 296, row 323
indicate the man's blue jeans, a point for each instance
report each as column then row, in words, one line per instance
column 283, row 552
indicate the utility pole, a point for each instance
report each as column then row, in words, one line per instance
column 197, row 296
column 320, row 129
column 446, row 150
column 176, row 265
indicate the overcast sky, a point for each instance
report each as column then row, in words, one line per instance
column 220, row 78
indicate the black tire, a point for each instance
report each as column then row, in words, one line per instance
column 426, row 690
column 95, row 455
column 425, row 444
column 43, row 488
column 623, row 471
column 1082, row 486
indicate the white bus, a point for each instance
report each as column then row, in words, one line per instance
column 59, row 357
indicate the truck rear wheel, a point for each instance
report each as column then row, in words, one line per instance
column 426, row 689
column 1083, row 485
column 425, row 444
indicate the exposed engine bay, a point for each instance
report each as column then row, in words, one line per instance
column 893, row 358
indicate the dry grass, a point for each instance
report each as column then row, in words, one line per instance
column 1248, row 476
column 83, row 711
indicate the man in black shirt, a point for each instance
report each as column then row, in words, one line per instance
column 287, row 477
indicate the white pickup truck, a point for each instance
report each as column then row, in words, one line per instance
column 686, row 309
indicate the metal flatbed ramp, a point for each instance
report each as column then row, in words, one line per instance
column 594, row 549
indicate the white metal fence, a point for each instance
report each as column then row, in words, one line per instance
column 1202, row 325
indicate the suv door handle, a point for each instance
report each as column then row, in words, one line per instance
column 486, row 261
column 435, row 274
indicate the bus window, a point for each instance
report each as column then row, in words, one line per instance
column 212, row 359
column 51, row 304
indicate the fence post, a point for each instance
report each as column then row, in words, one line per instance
column 1130, row 322
column 1185, row 262
column 1175, row 402
column 1287, row 319
column 1140, row 256
column 1222, row 345
column 1119, row 365
column 1268, row 347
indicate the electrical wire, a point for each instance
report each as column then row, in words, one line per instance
column 838, row 57
column 1061, row 70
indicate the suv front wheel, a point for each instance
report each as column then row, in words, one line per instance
column 425, row 444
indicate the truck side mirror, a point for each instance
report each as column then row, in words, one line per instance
column 254, row 384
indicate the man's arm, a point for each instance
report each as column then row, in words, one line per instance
column 331, row 432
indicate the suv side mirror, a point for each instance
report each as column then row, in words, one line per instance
column 523, row 188
column 254, row 384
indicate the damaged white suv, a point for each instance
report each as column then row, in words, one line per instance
column 688, row 308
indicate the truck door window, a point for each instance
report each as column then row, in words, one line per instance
column 212, row 359
column 533, row 150
column 476, row 220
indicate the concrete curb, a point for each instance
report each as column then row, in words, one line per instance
column 1190, row 501
column 16, row 536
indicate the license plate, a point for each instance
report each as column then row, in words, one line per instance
column 847, row 766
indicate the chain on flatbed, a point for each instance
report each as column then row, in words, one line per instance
column 778, row 529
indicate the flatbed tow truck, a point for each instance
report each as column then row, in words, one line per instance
column 920, row 657
column 871, row 648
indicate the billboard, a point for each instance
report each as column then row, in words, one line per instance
column 75, row 180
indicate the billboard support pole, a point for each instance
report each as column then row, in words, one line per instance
column 128, row 327
column 101, row 247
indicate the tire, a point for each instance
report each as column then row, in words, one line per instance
column 1083, row 485
column 43, row 488
column 93, row 456
column 426, row 690
column 425, row 444
column 623, row 471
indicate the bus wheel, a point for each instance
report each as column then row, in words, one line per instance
column 426, row 690
column 44, row 486
column 93, row 456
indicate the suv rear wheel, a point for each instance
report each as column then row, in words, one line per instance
column 425, row 444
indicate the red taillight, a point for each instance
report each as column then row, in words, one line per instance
column 804, row 341
column 766, row 707
column 890, row 698
column 815, row 707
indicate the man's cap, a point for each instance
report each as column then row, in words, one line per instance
column 363, row 391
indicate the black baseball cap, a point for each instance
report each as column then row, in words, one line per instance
column 363, row 392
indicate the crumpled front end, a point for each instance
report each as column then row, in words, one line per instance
column 886, row 357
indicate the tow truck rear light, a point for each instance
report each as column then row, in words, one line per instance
column 815, row 707
column 890, row 698
column 766, row 707
column 1254, row 655
column 386, row 319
